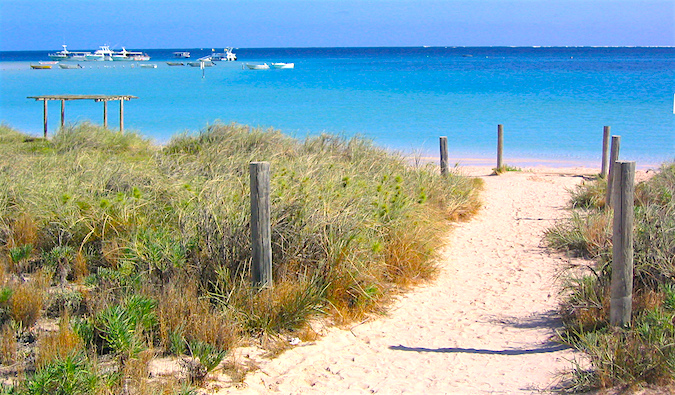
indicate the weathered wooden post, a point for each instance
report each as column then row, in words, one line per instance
column 44, row 114
column 121, row 115
column 105, row 114
column 63, row 113
column 444, row 155
column 605, row 151
column 261, row 244
column 621, row 302
column 613, row 157
column 500, row 147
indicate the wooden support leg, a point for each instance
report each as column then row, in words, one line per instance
column 63, row 114
column 44, row 102
column 121, row 115
column 105, row 114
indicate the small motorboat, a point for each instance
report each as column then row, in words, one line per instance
column 41, row 66
column 283, row 65
column 148, row 65
column 68, row 66
column 252, row 66
column 175, row 63
column 181, row 55
column 205, row 63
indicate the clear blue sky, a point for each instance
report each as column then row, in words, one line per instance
column 86, row 24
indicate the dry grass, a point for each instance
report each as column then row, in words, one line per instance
column 164, row 231
column 58, row 345
column 26, row 303
column 8, row 345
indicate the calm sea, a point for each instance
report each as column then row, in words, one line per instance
column 553, row 102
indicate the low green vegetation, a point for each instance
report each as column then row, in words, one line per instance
column 504, row 168
column 135, row 250
column 644, row 353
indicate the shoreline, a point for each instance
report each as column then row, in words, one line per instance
column 528, row 164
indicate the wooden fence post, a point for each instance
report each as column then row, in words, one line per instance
column 444, row 155
column 613, row 157
column 261, row 244
column 621, row 302
column 500, row 146
column 605, row 152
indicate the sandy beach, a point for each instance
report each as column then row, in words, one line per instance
column 485, row 325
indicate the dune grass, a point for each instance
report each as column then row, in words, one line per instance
column 645, row 352
column 138, row 249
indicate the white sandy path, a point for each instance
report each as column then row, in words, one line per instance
column 484, row 326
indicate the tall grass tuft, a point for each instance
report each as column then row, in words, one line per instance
column 157, row 237
column 645, row 352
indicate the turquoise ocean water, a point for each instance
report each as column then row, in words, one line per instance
column 553, row 102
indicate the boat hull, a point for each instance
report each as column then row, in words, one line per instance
column 283, row 65
column 263, row 66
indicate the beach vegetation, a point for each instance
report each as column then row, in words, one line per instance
column 505, row 168
column 643, row 353
column 139, row 250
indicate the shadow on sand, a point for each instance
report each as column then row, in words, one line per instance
column 542, row 350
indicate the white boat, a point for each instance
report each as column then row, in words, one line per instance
column 263, row 66
column 69, row 66
column 104, row 53
column 125, row 55
column 181, row 55
column 228, row 55
column 283, row 65
column 206, row 63
column 148, row 65
column 175, row 63
column 66, row 55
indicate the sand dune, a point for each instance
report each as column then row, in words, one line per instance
column 484, row 326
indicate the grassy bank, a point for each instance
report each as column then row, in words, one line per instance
column 114, row 250
column 645, row 352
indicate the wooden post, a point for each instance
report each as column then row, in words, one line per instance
column 44, row 112
column 500, row 146
column 261, row 245
column 105, row 114
column 613, row 157
column 621, row 302
column 605, row 152
column 63, row 114
column 121, row 115
column 444, row 155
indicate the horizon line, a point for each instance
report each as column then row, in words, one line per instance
column 387, row 46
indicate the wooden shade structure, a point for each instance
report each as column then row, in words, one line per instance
column 97, row 98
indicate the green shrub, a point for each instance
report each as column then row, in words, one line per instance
column 73, row 375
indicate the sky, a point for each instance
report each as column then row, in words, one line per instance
column 143, row 24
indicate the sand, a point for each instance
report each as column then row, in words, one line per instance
column 485, row 325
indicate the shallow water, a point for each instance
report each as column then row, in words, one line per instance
column 553, row 102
